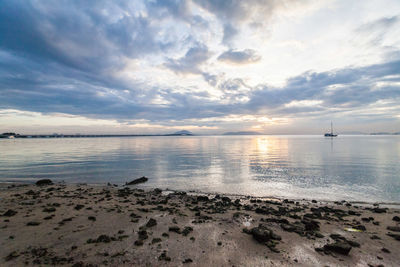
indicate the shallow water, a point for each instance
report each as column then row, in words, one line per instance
column 362, row 168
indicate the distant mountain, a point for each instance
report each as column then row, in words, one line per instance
column 381, row 133
column 352, row 132
column 242, row 133
column 182, row 133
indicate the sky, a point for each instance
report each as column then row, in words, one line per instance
column 207, row 66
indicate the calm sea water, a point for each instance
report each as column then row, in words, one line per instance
column 364, row 168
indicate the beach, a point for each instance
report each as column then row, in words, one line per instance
column 96, row 225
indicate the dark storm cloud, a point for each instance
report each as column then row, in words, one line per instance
column 190, row 62
column 57, row 56
column 240, row 57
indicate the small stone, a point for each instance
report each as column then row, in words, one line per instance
column 338, row 247
column 33, row 223
column 187, row 260
column 43, row 182
column 152, row 222
column 385, row 250
column 9, row 213
column 396, row 219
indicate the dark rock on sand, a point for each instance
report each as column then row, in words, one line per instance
column 263, row 234
column 338, row 247
column 395, row 236
column 164, row 257
column 175, row 229
column 44, row 182
column 140, row 180
column 187, row 260
column 143, row 235
column 385, row 250
column 396, row 219
column 11, row 256
column 100, row 239
column 92, row 218
column 394, row 228
column 202, row 198
column 152, row 222
column 33, row 223
column 49, row 209
column 9, row 213
column 187, row 230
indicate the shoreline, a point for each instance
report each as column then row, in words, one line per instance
column 96, row 224
column 393, row 204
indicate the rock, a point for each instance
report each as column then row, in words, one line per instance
column 385, row 250
column 49, row 209
column 187, row 230
column 138, row 242
column 393, row 228
column 9, row 213
column 103, row 239
column 164, row 257
column 175, row 229
column 202, row 198
column 79, row 206
column 379, row 210
column 44, row 182
column 311, row 225
column 152, row 222
column 143, row 234
column 187, row 261
column 338, row 247
column 156, row 240
column 33, row 223
column 92, row 218
column 138, row 181
column 395, row 236
column 396, row 219
column 263, row 234
column 11, row 256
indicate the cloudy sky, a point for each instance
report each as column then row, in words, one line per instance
column 208, row 66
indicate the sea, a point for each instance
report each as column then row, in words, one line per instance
column 361, row 168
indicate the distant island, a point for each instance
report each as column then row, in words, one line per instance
column 10, row 135
column 242, row 133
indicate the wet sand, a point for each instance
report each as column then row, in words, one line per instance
column 87, row 225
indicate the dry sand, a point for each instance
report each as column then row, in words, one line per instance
column 86, row 225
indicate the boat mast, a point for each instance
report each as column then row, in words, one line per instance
column 331, row 128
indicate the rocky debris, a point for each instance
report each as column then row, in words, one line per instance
column 33, row 223
column 379, row 210
column 395, row 236
column 385, row 250
column 263, row 234
column 49, row 209
column 9, row 213
column 101, row 239
column 396, row 219
column 188, row 260
column 340, row 247
column 156, row 240
column 11, row 256
column 79, row 207
column 92, row 218
column 339, row 238
column 175, row 229
column 187, row 230
column 152, row 222
column 43, row 182
column 138, row 243
column 164, row 257
column 140, row 180
column 393, row 228
column 202, row 198
column 143, row 234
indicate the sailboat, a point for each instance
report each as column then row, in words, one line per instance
column 331, row 134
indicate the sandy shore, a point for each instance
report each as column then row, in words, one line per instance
column 84, row 225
